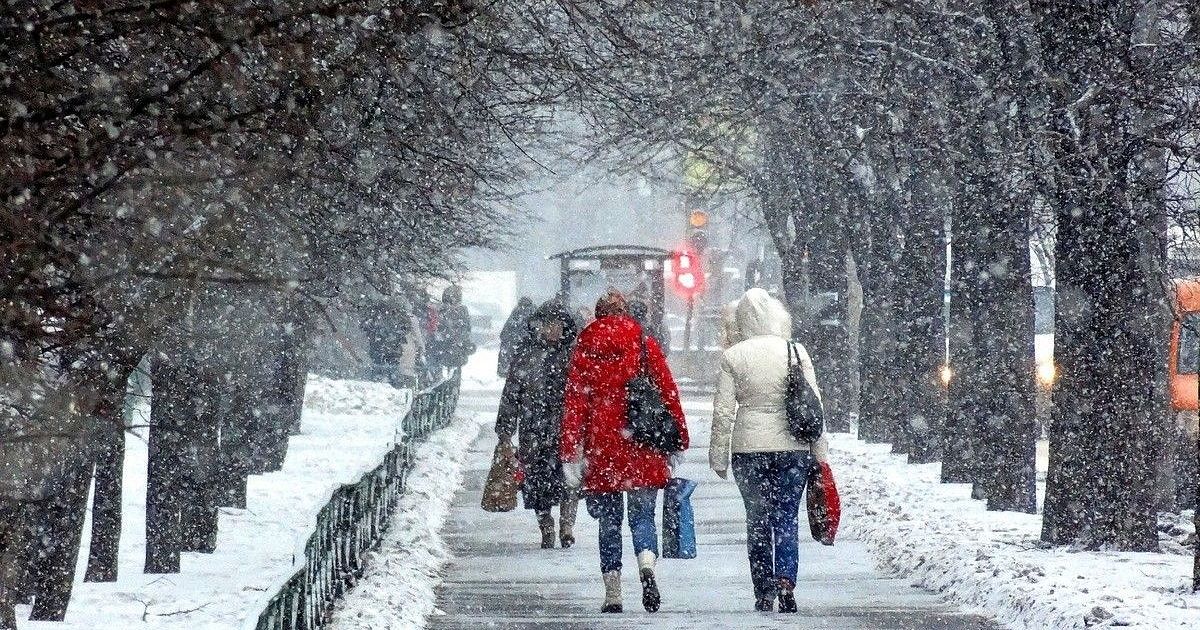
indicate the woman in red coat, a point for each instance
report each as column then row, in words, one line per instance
column 618, row 474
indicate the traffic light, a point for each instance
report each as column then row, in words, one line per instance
column 697, row 237
column 687, row 273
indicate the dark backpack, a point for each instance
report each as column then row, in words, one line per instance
column 649, row 422
column 805, row 416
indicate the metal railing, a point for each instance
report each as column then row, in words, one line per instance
column 354, row 522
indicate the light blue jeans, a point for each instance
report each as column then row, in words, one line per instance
column 609, row 508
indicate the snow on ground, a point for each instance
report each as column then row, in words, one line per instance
column 397, row 590
column 479, row 374
column 1177, row 532
column 940, row 538
column 499, row 576
column 255, row 546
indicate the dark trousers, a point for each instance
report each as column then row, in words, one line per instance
column 772, row 485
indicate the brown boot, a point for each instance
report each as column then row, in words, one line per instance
column 612, row 592
column 566, row 521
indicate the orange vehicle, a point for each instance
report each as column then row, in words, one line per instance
column 1185, row 354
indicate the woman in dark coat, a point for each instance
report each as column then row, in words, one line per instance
column 514, row 333
column 531, row 407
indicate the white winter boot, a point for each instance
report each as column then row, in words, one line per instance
column 651, row 599
column 612, row 592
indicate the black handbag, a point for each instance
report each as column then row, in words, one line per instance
column 805, row 415
column 649, row 422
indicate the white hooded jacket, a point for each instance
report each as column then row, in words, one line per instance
column 748, row 413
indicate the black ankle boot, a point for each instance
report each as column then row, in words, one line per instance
column 764, row 604
column 651, row 599
column 787, row 598
column 546, row 525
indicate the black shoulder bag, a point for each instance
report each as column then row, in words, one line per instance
column 805, row 416
column 649, row 422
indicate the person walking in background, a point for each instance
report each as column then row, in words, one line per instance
column 410, row 364
column 386, row 326
column 583, row 317
column 750, row 426
column 640, row 310
column 618, row 475
column 452, row 344
column 531, row 407
column 426, row 313
column 729, row 333
column 514, row 332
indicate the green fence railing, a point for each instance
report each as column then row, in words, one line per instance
column 354, row 522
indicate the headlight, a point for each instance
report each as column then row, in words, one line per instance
column 1047, row 373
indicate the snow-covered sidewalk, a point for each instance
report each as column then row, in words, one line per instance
column 348, row 427
column 937, row 536
column 500, row 579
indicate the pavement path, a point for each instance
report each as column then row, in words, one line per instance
column 501, row 579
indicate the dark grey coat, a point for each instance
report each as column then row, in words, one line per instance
column 531, row 407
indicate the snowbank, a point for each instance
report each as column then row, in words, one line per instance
column 332, row 396
column 397, row 590
column 348, row 427
column 943, row 540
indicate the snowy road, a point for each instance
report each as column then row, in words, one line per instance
column 499, row 578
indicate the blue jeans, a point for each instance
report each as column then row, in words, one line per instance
column 772, row 485
column 609, row 508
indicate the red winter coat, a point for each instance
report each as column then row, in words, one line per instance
column 604, row 360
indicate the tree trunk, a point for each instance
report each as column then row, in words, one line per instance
column 920, row 350
column 106, row 509
column 109, row 464
column 962, row 461
column 1100, row 489
column 1196, row 527
column 164, row 469
column 201, row 486
column 12, row 544
column 828, row 328
column 107, row 467
column 1006, row 423
column 295, row 373
column 993, row 342
column 236, row 450
column 879, row 266
column 59, row 530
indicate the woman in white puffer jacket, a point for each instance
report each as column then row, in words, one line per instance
column 750, row 428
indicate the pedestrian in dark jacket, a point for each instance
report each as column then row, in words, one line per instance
column 639, row 309
column 452, row 344
column 531, row 407
column 514, row 333
column 618, row 474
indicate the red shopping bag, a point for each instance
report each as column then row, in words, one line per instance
column 824, row 505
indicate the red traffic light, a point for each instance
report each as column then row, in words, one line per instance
column 687, row 273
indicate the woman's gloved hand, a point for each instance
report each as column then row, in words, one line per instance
column 573, row 473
